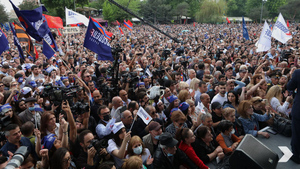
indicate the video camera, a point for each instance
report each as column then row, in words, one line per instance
column 133, row 78
column 80, row 108
column 57, row 94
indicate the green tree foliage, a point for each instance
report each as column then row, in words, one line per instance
column 98, row 4
column 211, row 11
column 273, row 6
column 236, row 8
column 291, row 10
column 3, row 14
column 59, row 6
column 255, row 13
column 112, row 12
column 156, row 11
column 181, row 9
column 28, row 5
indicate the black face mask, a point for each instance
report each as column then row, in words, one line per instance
column 106, row 117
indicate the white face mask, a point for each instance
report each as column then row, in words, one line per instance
column 232, row 131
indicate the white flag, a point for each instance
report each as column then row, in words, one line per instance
column 281, row 31
column 75, row 18
column 144, row 115
column 264, row 42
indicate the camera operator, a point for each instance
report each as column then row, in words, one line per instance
column 89, row 158
column 14, row 141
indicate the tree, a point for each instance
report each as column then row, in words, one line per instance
column 255, row 13
column 211, row 12
column 112, row 12
column 236, row 8
column 181, row 10
column 273, row 6
column 98, row 4
column 156, row 11
column 3, row 14
column 291, row 10
column 28, row 5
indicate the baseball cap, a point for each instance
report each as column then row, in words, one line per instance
column 26, row 90
column 47, row 141
column 154, row 126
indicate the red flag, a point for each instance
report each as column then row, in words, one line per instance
column 194, row 24
column 36, row 53
column 129, row 23
column 287, row 23
column 121, row 31
column 59, row 32
column 227, row 20
column 54, row 22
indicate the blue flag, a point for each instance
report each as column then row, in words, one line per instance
column 6, row 27
column 47, row 51
column 3, row 42
column 26, row 17
column 245, row 31
column 96, row 42
column 17, row 42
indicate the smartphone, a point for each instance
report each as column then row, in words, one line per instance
column 272, row 67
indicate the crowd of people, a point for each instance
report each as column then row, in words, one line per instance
column 71, row 111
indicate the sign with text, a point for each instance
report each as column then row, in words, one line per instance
column 68, row 30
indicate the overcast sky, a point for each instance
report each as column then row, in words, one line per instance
column 7, row 4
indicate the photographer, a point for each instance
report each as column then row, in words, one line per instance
column 89, row 156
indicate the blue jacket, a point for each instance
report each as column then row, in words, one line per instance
column 249, row 124
column 13, row 148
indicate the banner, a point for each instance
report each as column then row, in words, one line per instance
column 281, row 31
column 68, row 30
column 245, row 31
column 144, row 115
column 3, row 42
column 97, row 42
column 74, row 18
column 264, row 42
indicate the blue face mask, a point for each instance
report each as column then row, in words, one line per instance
column 190, row 60
column 156, row 137
column 138, row 150
column 31, row 108
column 127, row 69
column 170, row 155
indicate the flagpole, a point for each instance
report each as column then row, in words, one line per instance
column 58, row 56
column 133, row 122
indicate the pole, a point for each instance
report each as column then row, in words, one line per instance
column 261, row 12
column 133, row 122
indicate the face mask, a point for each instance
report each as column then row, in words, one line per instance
column 106, row 117
column 127, row 69
column 156, row 137
column 190, row 60
column 31, row 108
column 138, row 150
column 232, row 131
column 141, row 73
column 169, row 155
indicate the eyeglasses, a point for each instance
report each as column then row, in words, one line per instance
column 67, row 160
column 87, row 76
column 106, row 113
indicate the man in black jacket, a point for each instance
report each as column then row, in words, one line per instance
column 168, row 156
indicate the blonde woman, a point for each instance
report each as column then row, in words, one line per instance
column 194, row 86
column 274, row 97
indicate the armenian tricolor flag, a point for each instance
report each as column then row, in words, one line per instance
column 128, row 25
column 107, row 34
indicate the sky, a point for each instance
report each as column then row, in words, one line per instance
column 7, row 4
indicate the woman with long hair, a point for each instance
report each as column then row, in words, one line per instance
column 174, row 103
column 186, row 137
column 250, row 119
column 117, row 145
column 136, row 147
column 61, row 159
column 232, row 100
column 134, row 162
column 274, row 97
column 48, row 124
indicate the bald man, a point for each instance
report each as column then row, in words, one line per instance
column 124, row 96
column 117, row 104
column 127, row 119
column 97, row 97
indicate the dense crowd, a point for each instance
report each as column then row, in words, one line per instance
column 72, row 112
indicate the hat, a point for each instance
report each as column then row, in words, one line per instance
column 166, row 139
column 117, row 127
column 216, row 105
column 30, row 99
column 172, row 98
column 17, row 75
column 64, row 78
column 26, row 90
column 227, row 68
column 5, row 108
column 32, row 83
column 154, row 126
column 48, row 141
column 140, row 84
column 174, row 109
column 37, row 107
column 183, row 106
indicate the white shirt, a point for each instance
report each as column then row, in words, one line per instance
column 219, row 98
column 275, row 104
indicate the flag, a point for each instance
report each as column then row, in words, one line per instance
column 47, row 51
column 36, row 53
column 271, row 27
column 264, row 42
column 50, row 40
column 287, row 23
column 227, row 20
column 102, row 30
column 24, row 37
column 17, row 43
column 58, row 32
column 194, row 24
column 144, row 115
column 54, row 22
column 245, row 31
column 3, row 42
column 96, row 42
column 6, row 26
column 75, row 18
column 128, row 25
column 121, row 31
column 281, row 31
column 31, row 28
